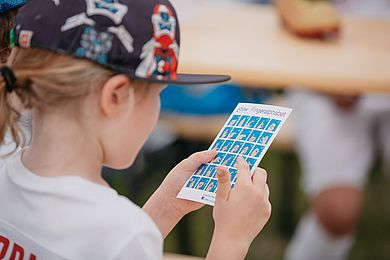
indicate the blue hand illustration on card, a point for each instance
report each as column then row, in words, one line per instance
column 248, row 132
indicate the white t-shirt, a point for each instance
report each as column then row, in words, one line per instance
column 69, row 218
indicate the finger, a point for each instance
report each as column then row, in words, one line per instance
column 244, row 173
column 259, row 177
column 223, row 176
column 197, row 159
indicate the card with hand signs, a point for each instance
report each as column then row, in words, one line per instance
column 248, row 133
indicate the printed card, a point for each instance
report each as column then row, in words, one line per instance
column 248, row 132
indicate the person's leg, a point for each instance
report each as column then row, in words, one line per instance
column 337, row 209
column 312, row 242
column 335, row 150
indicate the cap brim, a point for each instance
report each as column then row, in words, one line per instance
column 189, row 79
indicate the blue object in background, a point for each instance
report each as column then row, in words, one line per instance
column 7, row 5
column 206, row 100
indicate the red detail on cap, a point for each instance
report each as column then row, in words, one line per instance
column 157, row 9
column 25, row 38
column 164, row 54
column 165, row 41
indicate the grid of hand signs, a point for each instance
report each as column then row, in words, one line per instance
column 243, row 135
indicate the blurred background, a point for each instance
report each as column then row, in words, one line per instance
column 328, row 169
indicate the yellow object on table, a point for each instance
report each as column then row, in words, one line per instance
column 248, row 42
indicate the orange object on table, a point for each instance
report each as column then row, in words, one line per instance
column 309, row 18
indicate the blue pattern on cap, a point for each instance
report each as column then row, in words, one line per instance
column 7, row 5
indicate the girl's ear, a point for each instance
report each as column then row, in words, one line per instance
column 116, row 96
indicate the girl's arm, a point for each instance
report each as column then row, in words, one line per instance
column 239, row 214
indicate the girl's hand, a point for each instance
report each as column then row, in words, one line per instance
column 177, row 178
column 164, row 208
column 239, row 214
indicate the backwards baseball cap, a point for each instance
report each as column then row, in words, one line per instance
column 139, row 38
column 8, row 5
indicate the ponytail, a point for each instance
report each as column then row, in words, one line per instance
column 7, row 21
column 9, row 116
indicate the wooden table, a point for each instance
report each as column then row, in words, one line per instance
column 248, row 42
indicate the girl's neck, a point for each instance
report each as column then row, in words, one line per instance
column 60, row 147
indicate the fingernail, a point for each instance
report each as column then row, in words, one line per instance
column 220, row 173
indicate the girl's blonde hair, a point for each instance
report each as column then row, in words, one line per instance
column 45, row 80
column 7, row 21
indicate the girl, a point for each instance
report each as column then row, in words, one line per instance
column 91, row 76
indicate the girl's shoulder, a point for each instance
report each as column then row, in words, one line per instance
column 78, row 212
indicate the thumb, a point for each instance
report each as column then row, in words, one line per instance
column 223, row 176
